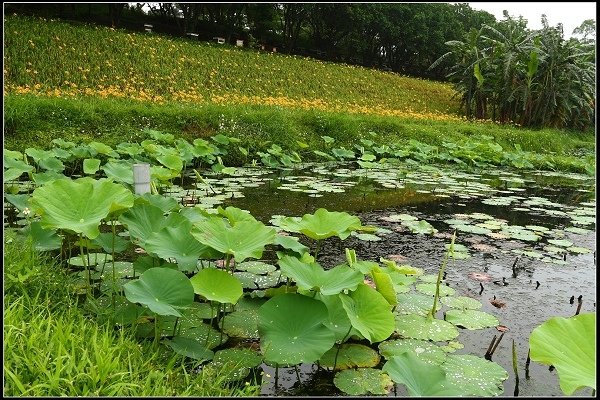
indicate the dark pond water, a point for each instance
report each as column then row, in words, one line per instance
column 538, row 288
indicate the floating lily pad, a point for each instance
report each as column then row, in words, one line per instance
column 472, row 229
column 256, row 267
column 471, row 319
column 420, row 227
column 424, row 328
column 190, row 348
column 205, row 334
column 560, row 242
column 461, row 302
column 430, row 288
column 420, row 378
column 579, row 250
column 351, row 355
column 415, row 303
column 235, row 363
column 474, row 375
column 361, row 381
column 424, row 350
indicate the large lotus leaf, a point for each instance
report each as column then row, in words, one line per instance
column 362, row 381
column 475, row 376
column 120, row 171
column 79, row 205
column 419, row 377
column 43, row 239
column 166, row 204
column 190, row 348
column 12, row 174
column 234, row 214
column 461, row 302
column 217, row 285
column 243, row 240
column 143, row 220
column 471, row 319
column 52, row 164
column 235, row 364
column 102, row 148
column 38, row 154
column 291, row 243
column 323, row 224
column 106, row 240
column 351, row 355
column 42, row 178
column 171, row 161
column 91, row 166
column 312, row 276
column 369, row 313
column 414, row 303
column 176, row 242
column 20, row 201
column 242, row 324
column 292, row 330
column 570, row 345
column 424, row 350
column 338, row 320
column 419, row 327
column 430, row 288
column 205, row 334
column 191, row 317
column 162, row 290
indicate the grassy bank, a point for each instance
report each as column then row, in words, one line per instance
column 51, row 348
column 33, row 121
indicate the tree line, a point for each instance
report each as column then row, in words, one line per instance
column 502, row 70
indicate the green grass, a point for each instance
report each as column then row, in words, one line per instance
column 51, row 348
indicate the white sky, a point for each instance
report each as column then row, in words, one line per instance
column 571, row 15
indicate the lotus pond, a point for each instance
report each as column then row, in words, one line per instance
column 381, row 279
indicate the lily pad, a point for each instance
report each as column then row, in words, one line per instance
column 474, row 375
column 217, row 285
column 419, row 377
column 424, row 350
column 351, row 355
column 292, row 330
column 323, row 224
column 235, row 364
column 471, row 319
column 190, row 348
column 415, row 303
column 424, row 328
column 461, row 302
column 430, row 288
column 362, row 381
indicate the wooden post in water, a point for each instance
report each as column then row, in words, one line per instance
column 141, row 178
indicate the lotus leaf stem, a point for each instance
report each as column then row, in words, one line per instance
column 527, row 362
column 515, row 369
column 87, row 269
column 431, row 313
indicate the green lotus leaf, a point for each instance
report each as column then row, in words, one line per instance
column 242, row 324
column 560, row 242
column 419, row 377
column 471, row 229
column 422, row 227
column 351, row 355
column 256, row 267
column 430, row 288
column 570, row 345
column 415, row 303
column 579, row 250
column 162, row 290
column 79, row 205
column 190, row 348
column 424, row 328
column 235, row 364
column 362, row 381
column 338, row 321
column 323, row 224
column 43, row 239
column 461, row 302
column 90, row 259
column 12, row 174
column 101, row 148
column 217, row 285
column 243, row 240
column 292, row 330
column 342, row 153
column 191, row 317
column 38, row 154
column 369, row 313
column 91, row 166
column 205, row 334
column 52, row 164
column 424, row 350
column 176, row 242
column 475, row 376
column 291, row 243
column 106, row 241
column 171, row 161
column 166, row 204
column 119, row 170
column 312, row 276
column 471, row 319
column 122, row 269
column 143, row 220
column 234, row 214
column 42, row 178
